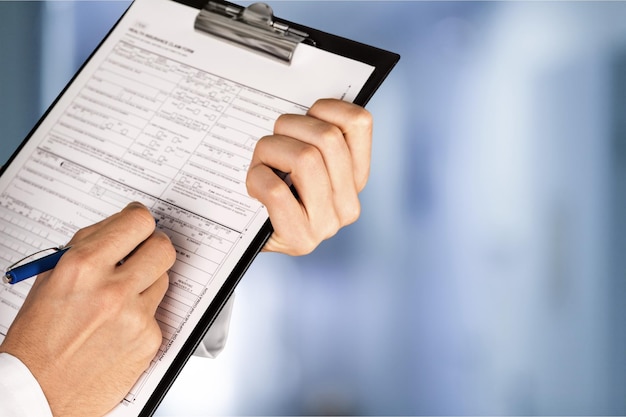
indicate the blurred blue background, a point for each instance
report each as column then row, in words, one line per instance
column 487, row 273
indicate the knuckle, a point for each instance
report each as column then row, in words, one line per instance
column 305, row 247
column 266, row 188
column 276, row 191
column 350, row 213
column 280, row 120
column 310, row 241
column 164, row 247
column 154, row 339
column 298, row 241
column 362, row 118
column 145, row 332
column 132, row 276
column 252, row 183
column 357, row 115
column 309, row 158
column 333, row 224
column 163, row 283
column 133, row 320
column 261, row 144
column 80, row 258
column 81, row 234
column 361, row 181
column 330, row 136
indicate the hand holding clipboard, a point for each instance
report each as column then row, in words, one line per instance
column 172, row 94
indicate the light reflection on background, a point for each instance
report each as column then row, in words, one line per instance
column 486, row 274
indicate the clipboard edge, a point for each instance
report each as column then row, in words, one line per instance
column 208, row 317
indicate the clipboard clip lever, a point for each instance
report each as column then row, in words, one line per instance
column 252, row 27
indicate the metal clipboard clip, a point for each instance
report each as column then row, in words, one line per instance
column 252, row 27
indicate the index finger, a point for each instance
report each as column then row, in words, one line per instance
column 356, row 124
column 117, row 236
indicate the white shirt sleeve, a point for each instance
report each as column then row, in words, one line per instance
column 20, row 393
column 215, row 339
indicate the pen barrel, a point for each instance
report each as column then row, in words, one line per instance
column 33, row 268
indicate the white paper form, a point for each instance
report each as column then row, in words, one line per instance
column 168, row 116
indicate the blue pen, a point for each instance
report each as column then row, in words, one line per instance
column 19, row 273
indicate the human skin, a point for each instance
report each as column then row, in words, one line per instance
column 87, row 330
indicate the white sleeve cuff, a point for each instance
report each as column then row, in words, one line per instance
column 215, row 339
column 20, row 393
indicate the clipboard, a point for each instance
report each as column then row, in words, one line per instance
column 251, row 31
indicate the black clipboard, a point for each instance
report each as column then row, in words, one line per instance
column 261, row 18
column 383, row 62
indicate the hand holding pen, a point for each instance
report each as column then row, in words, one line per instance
column 87, row 330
